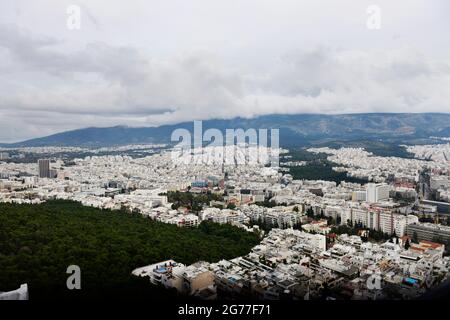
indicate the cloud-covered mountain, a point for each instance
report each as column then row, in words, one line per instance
column 300, row 129
column 292, row 60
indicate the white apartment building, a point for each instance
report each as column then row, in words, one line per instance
column 376, row 192
column 320, row 226
column 183, row 220
column 223, row 216
column 359, row 195
column 333, row 211
column 18, row 294
column 384, row 221
column 167, row 273
column 281, row 219
column 439, row 182
column 317, row 241
column 390, row 222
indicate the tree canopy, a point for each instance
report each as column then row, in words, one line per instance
column 39, row 242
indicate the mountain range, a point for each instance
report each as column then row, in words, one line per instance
column 298, row 129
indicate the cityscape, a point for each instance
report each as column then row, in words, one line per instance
column 385, row 239
column 203, row 159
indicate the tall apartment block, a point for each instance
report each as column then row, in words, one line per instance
column 44, row 168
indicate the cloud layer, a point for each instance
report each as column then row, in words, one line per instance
column 46, row 87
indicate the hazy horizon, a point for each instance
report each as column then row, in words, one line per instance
column 225, row 119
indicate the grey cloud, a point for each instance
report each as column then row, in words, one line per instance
column 38, row 53
column 48, row 88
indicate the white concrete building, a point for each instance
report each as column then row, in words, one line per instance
column 377, row 192
column 18, row 294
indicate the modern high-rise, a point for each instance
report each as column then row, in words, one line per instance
column 44, row 168
column 4, row 156
column 376, row 192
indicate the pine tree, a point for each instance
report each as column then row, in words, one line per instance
column 415, row 238
column 407, row 245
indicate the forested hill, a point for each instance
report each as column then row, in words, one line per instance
column 39, row 242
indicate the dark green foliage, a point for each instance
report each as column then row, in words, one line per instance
column 415, row 238
column 407, row 244
column 266, row 227
column 267, row 203
column 231, row 206
column 354, row 230
column 39, row 242
column 322, row 170
column 190, row 200
column 426, row 219
column 228, row 231
column 317, row 167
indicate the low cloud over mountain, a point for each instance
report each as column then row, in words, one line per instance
column 55, row 82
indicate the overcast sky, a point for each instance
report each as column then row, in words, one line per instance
column 145, row 63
